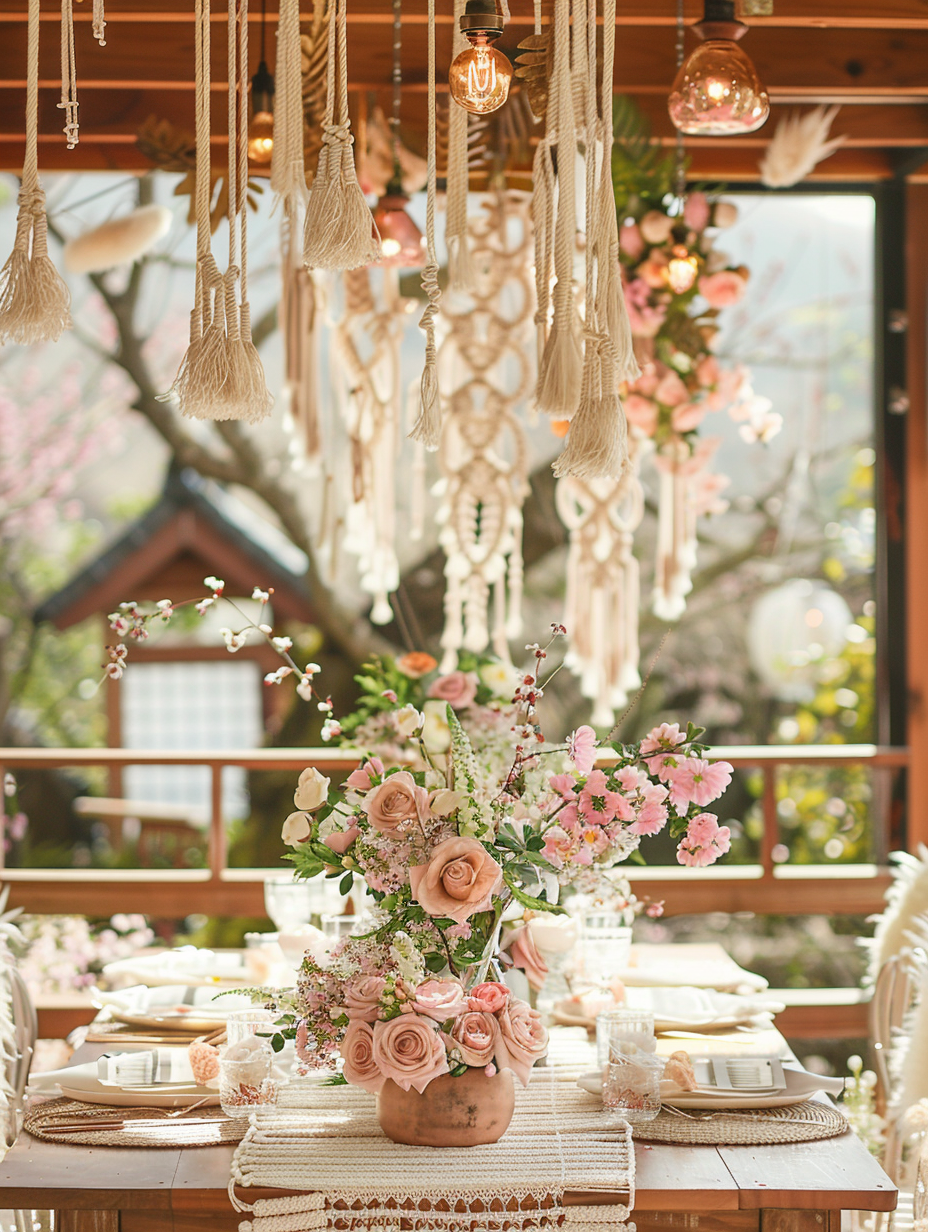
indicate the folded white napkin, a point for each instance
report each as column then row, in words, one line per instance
column 163, row 1070
column 140, row 999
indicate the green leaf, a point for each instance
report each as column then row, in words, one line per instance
column 335, row 1080
column 459, row 1070
column 346, row 884
column 277, row 1042
column 435, row 962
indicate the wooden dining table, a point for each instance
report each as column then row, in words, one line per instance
column 790, row 1188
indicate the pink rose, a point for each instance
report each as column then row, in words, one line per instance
column 707, row 371
column 654, row 271
column 687, row 416
column 524, row 954
column 439, row 999
column 523, row 1039
column 476, row 1036
column 490, row 997
column 631, row 241
column 458, row 689
column 342, row 840
column 671, row 390
column 723, row 289
column 648, row 381
column 641, row 412
column 361, row 1069
column 696, row 211
column 397, row 799
column 410, row 1051
column 362, row 997
column 459, row 880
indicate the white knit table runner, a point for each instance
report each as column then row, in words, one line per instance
column 326, row 1141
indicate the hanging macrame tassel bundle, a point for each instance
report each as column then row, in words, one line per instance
column 339, row 230
column 597, row 442
column 561, row 368
column 460, row 263
column 34, row 300
column 427, row 427
column 68, row 102
column 221, row 376
column 99, row 22
column 288, row 176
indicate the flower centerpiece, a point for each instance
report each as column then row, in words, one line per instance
column 415, row 1004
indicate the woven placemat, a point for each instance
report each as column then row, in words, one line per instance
column 141, row 1126
column 763, row 1126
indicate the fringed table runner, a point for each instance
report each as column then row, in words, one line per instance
column 326, row 1141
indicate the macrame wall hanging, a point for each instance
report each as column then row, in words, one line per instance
column 34, row 300
column 485, row 374
column 581, row 365
column 221, row 376
column 602, row 592
column 339, row 232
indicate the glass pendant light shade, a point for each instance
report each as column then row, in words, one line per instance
column 401, row 242
column 682, row 269
column 479, row 78
column 261, row 125
column 718, row 92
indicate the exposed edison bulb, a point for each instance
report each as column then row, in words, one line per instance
column 261, row 137
column 717, row 92
column 479, row 77
column 682, row 269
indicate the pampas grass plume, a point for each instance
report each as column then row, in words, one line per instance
column 117, row 242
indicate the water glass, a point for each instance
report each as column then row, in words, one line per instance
column 247, row 1083
column 631, row 1071
column 337, row 927
column 241, row 1024
column 292, row 903
column 605, row 946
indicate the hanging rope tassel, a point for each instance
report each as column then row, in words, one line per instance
column 288, row 175
column 427, row 427
column 34, row 300
column 561, row 369
column 339, row 231
column 460, row 262
column 68, row 102
column 99, row 22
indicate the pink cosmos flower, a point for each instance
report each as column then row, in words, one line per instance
column 581, row 748
column 664, row 736
column 564, row 785
column 705, row 840
column 697, row 781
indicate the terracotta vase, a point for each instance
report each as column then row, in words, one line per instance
column 465, row 1111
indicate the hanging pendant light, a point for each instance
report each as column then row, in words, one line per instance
column 261, row 125
column 682, row 269
column 479, row 78
column 717, row 91
column 402, row 244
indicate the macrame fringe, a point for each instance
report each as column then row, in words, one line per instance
column 561, row 372
column 34, row 300
column 597, row 443
column 339, row 232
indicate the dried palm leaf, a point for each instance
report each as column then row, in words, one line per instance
column 167, row 147
column 534, row 67
column 314, row 41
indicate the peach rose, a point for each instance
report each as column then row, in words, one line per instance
column 439, row 999
column 490, row 997
column 523, row 1039
column 476, row 1036
column 362, row 997
column 687, row 416
column 459, row 880
column 654, row 271
column 458, row 689
column 415, row 664
column 656, row 226
column 707, row 371
column 361, row 1068
column 723, row 289
column 725, row 214
column 525, row 956
column 397, row 799
column 671, row 390
column 641, row 412
column 410, row 1051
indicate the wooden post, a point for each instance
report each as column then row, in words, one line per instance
column 916, row 512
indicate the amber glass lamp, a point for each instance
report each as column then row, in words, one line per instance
column 682, row 269
column 261, row 125
column 402, row 244
column 479, row 78
column 717, row 91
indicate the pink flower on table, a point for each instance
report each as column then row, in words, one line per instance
column 410, row 1051
column 722, row 289
column 397, row 799
column 652, row 816
column 697, row 781
column 476, row 1036
column 491, row 997
column 459, row 880
column 458, row 689
column 361, row 1069
column 581, row 748
column 705, row 840
column 523, row 1039
column 362, row 778
column 641, row 412
column 362, row 997
column 598, row 804
column 564, row 785
column 696, row 211
column 341, row 840
column 439, row 999
column 627, row 778
column 671, row 390
column 525, row 956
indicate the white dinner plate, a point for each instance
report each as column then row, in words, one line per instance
column 171, row 1022
column 120, row 1098
column 800, row 1086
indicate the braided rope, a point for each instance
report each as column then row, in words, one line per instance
column 460, row 273
column 30, row 180
column 288, row 176
column 427, row 427
column 68, row 102
column 99, row 22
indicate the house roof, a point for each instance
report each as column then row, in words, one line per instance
column 193, row 529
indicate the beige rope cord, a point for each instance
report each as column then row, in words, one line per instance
column 34, row 300
column 806, row 1122
column 288, row 177
column 148, row 1127
column 68, row 102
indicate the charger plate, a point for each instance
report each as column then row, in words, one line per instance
column 142, row 1126
column 805, row 1122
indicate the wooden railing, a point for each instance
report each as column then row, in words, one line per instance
column 765, row 887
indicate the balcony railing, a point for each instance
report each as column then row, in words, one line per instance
column 764, row 887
